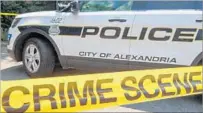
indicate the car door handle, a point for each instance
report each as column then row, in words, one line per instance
column 117, row 20
column 198, row 21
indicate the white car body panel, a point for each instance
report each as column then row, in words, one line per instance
column 95, row 43
column 184, row 52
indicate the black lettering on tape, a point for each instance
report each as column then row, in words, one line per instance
column 194, row 83
column 6, row 100
column 62, row 95
column 141, row 86
column 101, row 91
column 163, row 85
column 38, row 98
column 72, row 86
column 178, row 83
column 130, row 88
column 88, row 89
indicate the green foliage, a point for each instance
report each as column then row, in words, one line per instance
column 23, row 7
column 20, row 7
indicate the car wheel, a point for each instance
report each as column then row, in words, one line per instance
column 38, row 58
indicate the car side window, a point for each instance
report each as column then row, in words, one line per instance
column 111, row 5
column 167, row 5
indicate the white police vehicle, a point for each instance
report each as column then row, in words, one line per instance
column 109, row 35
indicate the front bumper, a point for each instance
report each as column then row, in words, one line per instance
column 11, row 53
column 13, row 34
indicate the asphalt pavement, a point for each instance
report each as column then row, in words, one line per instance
column 11, row 70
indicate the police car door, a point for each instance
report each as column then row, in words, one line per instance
column 166, row 32
column 95, row 33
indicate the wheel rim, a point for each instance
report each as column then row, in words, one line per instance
column 32, row 58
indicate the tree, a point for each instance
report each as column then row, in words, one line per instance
column 23, row 7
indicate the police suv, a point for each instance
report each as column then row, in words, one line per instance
column 109, row 35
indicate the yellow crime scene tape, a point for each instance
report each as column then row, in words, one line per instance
column 92, row 91
column 8, row 14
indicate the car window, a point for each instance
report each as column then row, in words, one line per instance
column 106, row 5
column 167, row 5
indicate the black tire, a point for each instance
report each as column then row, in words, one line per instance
column 47, row 57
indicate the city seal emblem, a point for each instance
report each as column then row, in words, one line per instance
column 54, row 30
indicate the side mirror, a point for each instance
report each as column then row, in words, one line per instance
column 74, row 7
column 70, row 6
